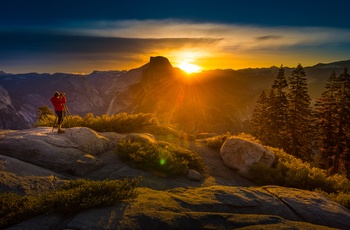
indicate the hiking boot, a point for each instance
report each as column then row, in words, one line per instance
column 60, row 131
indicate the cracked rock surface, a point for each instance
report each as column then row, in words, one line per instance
column 36, row 160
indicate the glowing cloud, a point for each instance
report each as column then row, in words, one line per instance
column 233, row 44
column 104, row 45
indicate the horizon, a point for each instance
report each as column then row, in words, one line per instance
column 203, row 70
column 80, row 37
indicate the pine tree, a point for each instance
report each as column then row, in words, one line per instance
column 300, row 116
column 271, row 113
column 278, row 113
column 269, row 118
column 326, row 123
column 343, row 126
column 258, row 122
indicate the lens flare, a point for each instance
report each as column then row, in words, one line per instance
column 162, row 161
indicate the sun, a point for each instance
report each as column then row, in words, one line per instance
column 189, row 67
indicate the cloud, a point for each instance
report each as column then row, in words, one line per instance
column 268, row 37
column 129, row 43
column 62, row 49
column 28, row 43
column 243, row 37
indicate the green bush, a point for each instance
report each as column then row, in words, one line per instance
column 121, row 123
column 341, row 198
column 163, row 156
column 290, row 171
column 71, row 197
column 217, row 141
column 248, row 137
column 47, row 120
column 162, row 132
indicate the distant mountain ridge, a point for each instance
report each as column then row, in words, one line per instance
column 213, row 100
column 339, row 64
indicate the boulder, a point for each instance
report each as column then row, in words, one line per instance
column 194, row 175
column 240, row 155
column 140, row 137
column 72, row 152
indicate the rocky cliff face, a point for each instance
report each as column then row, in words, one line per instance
column 35, row 160
column 10, row 118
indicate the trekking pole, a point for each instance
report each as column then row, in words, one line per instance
column 54, row 123
column 68, row 115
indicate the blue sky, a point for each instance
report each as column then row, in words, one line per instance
column 82, row 36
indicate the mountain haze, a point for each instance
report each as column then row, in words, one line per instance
column 210, row 101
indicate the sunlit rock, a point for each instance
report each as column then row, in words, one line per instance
column 140, row 137
column 72, row 152
column 25, row 178
column 163, row 202
column 240, row 155
column 194, row 175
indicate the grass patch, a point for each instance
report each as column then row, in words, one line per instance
column 70, row 198
column 162, row 156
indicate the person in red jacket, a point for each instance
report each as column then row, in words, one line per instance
column 58, row 101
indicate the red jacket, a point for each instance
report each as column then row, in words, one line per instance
column 58, row 103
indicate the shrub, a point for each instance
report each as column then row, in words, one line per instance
column 121, row 122
column 290, row 171
column 341, row 198
column 47, row 120
column 194, row 160
column 217, row 141
column 163, row 157
column 71, row 197
column 162, row 132
column 248, row 137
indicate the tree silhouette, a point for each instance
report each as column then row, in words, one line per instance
column 333, row 123
column 270, row 117
column 278, row 112
column 343, row 125
column 300, row 115
column 259, row 122
column 326, row 114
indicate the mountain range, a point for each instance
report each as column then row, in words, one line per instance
column 209, row 101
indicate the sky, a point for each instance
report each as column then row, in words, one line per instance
column 48, row 36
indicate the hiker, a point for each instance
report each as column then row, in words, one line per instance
column 58, row 100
